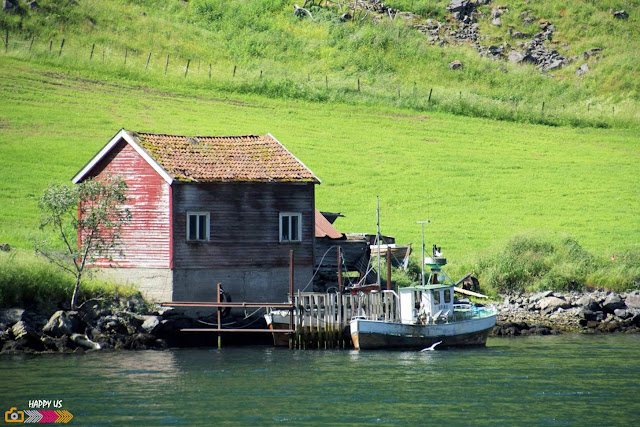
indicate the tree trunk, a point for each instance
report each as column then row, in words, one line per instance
column 75, row 292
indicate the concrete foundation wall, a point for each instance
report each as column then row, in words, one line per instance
column 155, row 284
column 249, row 285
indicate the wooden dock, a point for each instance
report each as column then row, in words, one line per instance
column 314, row 320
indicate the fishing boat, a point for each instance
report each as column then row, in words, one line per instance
column 427, row 315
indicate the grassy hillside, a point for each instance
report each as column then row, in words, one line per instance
column 478, row 180
column 275, row 53
column 570, row 170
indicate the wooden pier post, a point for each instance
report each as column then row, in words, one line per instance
column 388, row 269
column 339, row 269
column 291, row 298
column 219, row 316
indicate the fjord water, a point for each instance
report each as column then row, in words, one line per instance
column 556, row 380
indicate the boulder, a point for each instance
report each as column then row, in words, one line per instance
column 620, row 14
column 9, row 316
column 459, row 5
column 497, row 22
column 151, row 323
column 632, row 301
column 589, row 303
column 84, row 341
column 612, row 302
column 9, row 6
column 540, row 295
column 63, row 323
column 551, row 304
column 58, row 344
column 455, row 65
column 622, row 313
column 583, row 69
column 27, row 336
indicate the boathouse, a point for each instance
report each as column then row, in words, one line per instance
column 208, row 210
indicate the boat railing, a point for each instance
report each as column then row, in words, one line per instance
column 467, row 311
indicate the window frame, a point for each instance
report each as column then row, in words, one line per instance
column 280, row 227
column 207, row 231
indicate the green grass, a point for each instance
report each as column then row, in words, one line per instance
column 296, row 56
column 30, row 281
column 494, row 168
column 479, row 181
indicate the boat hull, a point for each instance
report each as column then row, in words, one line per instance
column 372, row 334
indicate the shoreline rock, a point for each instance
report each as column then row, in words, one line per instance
column 553, row 312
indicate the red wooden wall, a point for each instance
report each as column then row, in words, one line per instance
column 147, row 237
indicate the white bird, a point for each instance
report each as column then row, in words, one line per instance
column 433, row 347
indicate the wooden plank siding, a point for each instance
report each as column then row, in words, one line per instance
column 147, row 237
column 244, row 224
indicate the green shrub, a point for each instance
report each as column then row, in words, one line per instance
column 537, row 262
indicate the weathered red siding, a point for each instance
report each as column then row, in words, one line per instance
column 147, row 237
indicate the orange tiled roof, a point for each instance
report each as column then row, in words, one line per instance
column 224, row 158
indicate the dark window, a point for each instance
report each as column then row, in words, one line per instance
column 198, row 226
column 290, row 227
column 447, row 296
column 436, row 297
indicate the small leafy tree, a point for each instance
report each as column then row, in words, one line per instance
column 87, row 222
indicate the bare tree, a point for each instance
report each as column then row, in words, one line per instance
column 87, row 222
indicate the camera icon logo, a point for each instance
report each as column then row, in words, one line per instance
column 14, row 416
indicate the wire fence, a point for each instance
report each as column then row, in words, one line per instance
column 277, row 80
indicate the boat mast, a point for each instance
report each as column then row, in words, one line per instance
column 378, row 238
column 422, row 223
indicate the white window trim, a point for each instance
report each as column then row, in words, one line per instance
column 207, row 231
column 290, row 214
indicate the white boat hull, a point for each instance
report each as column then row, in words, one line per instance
column 374, row 334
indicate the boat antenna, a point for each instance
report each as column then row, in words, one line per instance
column 378, row 238
column 422, row 223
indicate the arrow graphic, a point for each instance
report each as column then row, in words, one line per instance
column 64, row 416
column 32, row 416
column 48, row 416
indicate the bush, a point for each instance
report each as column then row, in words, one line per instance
column 532, row 263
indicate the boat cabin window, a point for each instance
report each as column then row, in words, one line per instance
column 436, row 297
column 447, row 296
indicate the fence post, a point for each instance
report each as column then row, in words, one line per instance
column 234, row 70
column 186, row 70
column 209, row 71
column 61, row 46
column 31, row 44
column 358, row 85
column 326, row 82
column 126, row 52
column 260, row 73
column 103, row 56
column 148, row 59
column 6, row 41
column 430, row 92
column 93, row 46
column 543, row 106
column 50, row 45
column 398, row 91
column 166, row 65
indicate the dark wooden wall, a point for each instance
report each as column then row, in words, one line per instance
column 244, row 224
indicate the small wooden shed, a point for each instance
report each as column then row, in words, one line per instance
column 208, row 210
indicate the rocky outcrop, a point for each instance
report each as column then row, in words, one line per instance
column 122, row 324
column 568, row 312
